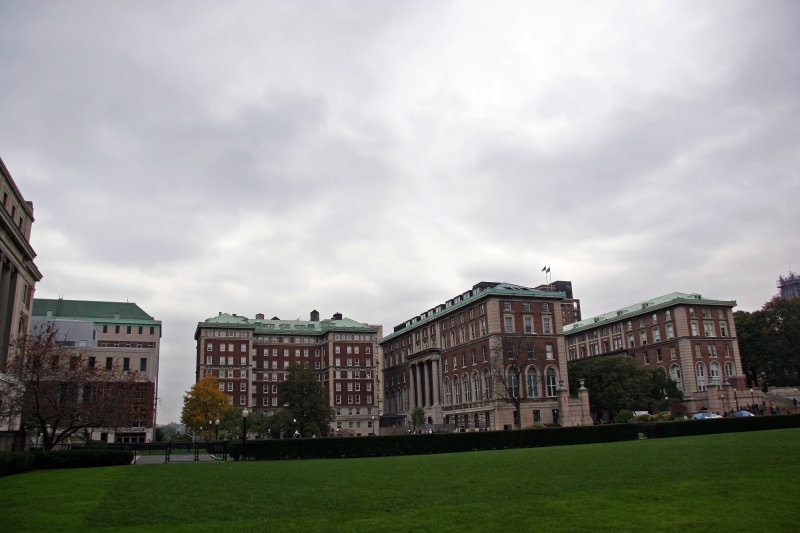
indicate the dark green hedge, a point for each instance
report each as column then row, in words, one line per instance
column 430, row 442
column 18, row 462
column 493, row 440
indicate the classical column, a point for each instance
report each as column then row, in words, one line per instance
column 412, row 393
column 437, row 397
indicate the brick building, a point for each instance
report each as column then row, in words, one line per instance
column 18, row 277
column 691, row 338
column 249, row 357
column 451, row 361
column 110, row 335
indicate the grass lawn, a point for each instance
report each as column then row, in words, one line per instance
column 729, row 482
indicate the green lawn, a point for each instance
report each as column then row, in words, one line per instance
column 729, row 482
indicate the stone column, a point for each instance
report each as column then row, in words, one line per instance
column 412, row 392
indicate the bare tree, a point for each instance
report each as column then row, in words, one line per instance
column 58, row 390
column 506, row 370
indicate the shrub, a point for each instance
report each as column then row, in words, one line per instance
column 16, row 463
column 623, row 416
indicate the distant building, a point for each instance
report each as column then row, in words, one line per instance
column 570, row 306
column 249, row 358
column 691, row 338
column 789, row 286
column 110, row 334
column 451, row 361
column 18, row 277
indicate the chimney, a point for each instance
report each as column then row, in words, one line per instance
column 314, row 316
column 259, row 316
column 337, row 316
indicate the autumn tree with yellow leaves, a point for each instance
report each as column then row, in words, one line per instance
column 202, row 403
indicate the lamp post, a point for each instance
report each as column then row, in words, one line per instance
column 216, row 429
column 752, row 399
column 736, row 399
column 373, row 426
column 245, row 412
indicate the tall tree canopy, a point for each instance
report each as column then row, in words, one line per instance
column 769, row 342
column 307, row 401
column 61, row 392
column 203, row 402
column 617, row 382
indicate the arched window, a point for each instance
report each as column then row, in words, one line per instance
column 476, row 386
column 513, row 384
column 533, row 382
column 405, row 398
column 487, row 383
column 550, row 381
column 448, row 394
column 466, row 389
column 715, row 374
column 728, row 368
column 456, row 391
column 700, row 369
column 675, row 374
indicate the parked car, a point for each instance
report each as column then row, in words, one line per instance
column 743, row 413
column 703, row 416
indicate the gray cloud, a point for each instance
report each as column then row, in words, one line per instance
column 376, row 159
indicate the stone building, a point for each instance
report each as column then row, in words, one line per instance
column 465, row 361
column 691, row 338
column 249, row 357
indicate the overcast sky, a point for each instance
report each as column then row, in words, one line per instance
column 377, row 158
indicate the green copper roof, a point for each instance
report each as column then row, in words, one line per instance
column 646, row 306
column 98, row 312
column 481, row 290
column 283, row 327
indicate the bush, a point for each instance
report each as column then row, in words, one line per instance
column 623, row 416
column 16, row 463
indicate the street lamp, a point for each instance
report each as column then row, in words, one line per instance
column 245, row 412
column 373, row 426
column 752, row 399
column 216, row 430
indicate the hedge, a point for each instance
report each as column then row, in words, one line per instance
column 18, row 462
column 374, row 446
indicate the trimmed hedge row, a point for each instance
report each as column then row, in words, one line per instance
column 492, row 440
column 18, row 462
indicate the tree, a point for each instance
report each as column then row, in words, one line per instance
column 60, row 392
column 506, row 369
column 769, row 340
column 307, row 402
column 616, row 382
column 417, row 418
column 203, row 402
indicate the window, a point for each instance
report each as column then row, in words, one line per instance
column 105, row 329
column 109, row 363
column 646, row 357
column 476, row 386
column 728, row 368
column 507, row 306
column 447, row 392
column 222, row 347
column 143, row 364
column 467, row 390
column 656, row 334
column 126, row 364
column 550, row 382
column 487, row 383
column 456, row 391
column 546, row 324
column 513, row 384
column 533, row 382
column 528, row 324
column 700, row 369
column 642, row 337
column 230, row 386
column 715, row 374
column 675, row 374
column 670, row 333
column 116, row 329
column 548, row 349
column 242, row 386
column 509, row 324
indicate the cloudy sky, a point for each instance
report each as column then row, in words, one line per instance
column 377, row 158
